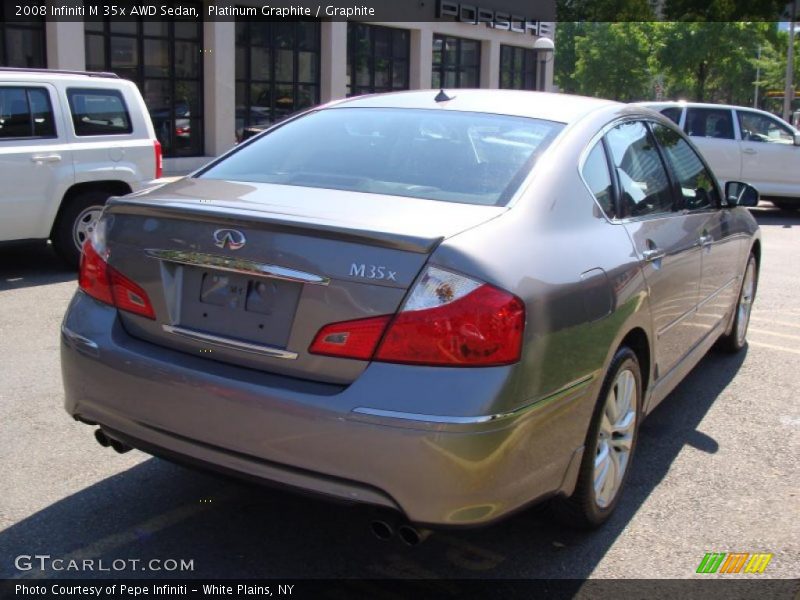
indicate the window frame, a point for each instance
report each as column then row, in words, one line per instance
column 681, row 206
column 98, row 91
column 27, row 89
column 621, row 216
column 172, row 38
column 354, row 89
column 248, row 81
column 528, row 54
column 735, row 131
column 441, row 68
column 780, row 123
column 34, row 25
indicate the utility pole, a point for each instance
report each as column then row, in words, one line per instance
column 758, row 77
column 788, row 90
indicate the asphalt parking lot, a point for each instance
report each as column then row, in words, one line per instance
column 717, row 470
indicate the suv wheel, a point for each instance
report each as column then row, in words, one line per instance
column 76, row 223
column 609, row 448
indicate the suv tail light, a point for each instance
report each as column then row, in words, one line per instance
column 159, row 159
column 104, row 283
column 448, row 320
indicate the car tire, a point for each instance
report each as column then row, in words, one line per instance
column 609, row 448
column 786, row 205
column 75, row 223
column 736, row 339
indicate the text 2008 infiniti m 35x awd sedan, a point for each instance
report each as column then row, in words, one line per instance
column 447, row 304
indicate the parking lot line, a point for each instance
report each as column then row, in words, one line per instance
column 781, row 335
column 774, row 347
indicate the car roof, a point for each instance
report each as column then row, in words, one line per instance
column 20, row 73
column 563, row 108
column 682, row 103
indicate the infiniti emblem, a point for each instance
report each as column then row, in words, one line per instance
column 230, row 238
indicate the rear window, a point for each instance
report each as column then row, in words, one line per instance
column 673, row 113
column 473, row 158
column 98, row 112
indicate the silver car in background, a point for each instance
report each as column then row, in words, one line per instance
column 449, row 305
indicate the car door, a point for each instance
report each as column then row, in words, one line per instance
column 769, row 156
column 35, row 163
column 669, row 254
column 713, row 133
column 709, row 224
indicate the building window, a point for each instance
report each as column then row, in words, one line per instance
column 517, row 68
column 21, row 44
column 377, row 59
column 456, row 62
column 277, row 71
column 163, row 58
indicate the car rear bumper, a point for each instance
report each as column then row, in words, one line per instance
column 322, row 438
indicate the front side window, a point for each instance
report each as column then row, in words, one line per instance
column 377, row 59
column 471, row 158
column 456, row 62
column 643, row 181
column 25, row 113
column 697, row 183
column 98, row 112
column 756, row 127
column 596, row 175
column 709, row 122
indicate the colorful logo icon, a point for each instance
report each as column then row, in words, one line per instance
column 734, row 562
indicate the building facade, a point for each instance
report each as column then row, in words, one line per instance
column 207, row 82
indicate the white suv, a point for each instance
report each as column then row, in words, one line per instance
column 69, row 141
column 743, row 144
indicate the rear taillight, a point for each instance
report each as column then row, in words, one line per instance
column 448, row 320
column 104, row 283
column 159, row 159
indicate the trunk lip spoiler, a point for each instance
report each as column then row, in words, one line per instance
column 278, row 221
column 236, row 265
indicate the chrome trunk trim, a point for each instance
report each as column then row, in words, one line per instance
column 236, row 265
column 229, row 343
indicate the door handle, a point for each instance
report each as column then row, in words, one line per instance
column 706, row 240
column 43, row 158
column 749, row 151
column 652, row 254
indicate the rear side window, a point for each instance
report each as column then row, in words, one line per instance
column 26, row 113
column 709, row 122
column 467, row 157
column 597, row 177
column 673, row 113
column 644, row 185
column 98, row 112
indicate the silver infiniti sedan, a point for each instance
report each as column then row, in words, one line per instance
column 445, row 304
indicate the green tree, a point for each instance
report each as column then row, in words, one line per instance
column 613, row 61
column 709, row 61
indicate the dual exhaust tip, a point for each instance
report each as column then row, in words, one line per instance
column 386, row 529
column 108, row 442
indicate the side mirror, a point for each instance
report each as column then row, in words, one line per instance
column 741, row 194
column 797, row 139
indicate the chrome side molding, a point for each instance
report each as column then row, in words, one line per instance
column 237, row 265
column 230, row 343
